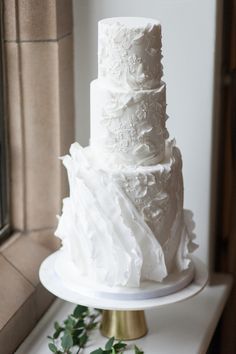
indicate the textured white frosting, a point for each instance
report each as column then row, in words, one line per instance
column 157, row 193
column 128, row 125
column 129, row 52
column 124, row 221
column 102, row 230
column 122, row 228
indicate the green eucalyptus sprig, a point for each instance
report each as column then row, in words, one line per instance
column 72, row 336
column 75, row 330
column 112, row 347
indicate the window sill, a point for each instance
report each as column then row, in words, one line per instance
column 185, row 327
column 23, row 300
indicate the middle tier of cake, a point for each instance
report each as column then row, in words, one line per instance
column 128, row 126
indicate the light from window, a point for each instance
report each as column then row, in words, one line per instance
column 4, row 209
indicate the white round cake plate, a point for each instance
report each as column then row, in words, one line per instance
column 96, row 298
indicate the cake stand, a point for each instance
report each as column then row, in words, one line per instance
column 123, row 317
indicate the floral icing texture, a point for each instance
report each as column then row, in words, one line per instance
column 130, row 56
column 128, row 125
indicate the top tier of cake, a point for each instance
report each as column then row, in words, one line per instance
column 129, row 52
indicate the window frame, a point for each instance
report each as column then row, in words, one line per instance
column 4, row 185
column 38, row 90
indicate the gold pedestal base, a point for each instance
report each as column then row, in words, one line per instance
column 124, row 325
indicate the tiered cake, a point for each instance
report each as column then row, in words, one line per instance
column 124, row 222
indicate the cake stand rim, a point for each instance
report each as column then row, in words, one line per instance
column 51, row 281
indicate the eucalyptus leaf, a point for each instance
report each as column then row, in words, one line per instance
column 67, row 341
column 120, row 345
column 56, row 326
column 109, row 343
column 52, row 347
column 80, row 310
column 80, row 323
column 83, row 340
column 97, row 351
column 57, row 333
column 70, row 323
column 137, row 350
column 77, row 332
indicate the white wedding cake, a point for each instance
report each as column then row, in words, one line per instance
column 124, row 221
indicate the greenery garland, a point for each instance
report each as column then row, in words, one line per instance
column 72, row 336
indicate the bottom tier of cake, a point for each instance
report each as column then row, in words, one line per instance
column 69, row 274
column 122, row 225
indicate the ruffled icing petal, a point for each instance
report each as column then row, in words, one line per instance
column 186, row 245
column 100, row 226
column 190, row 226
